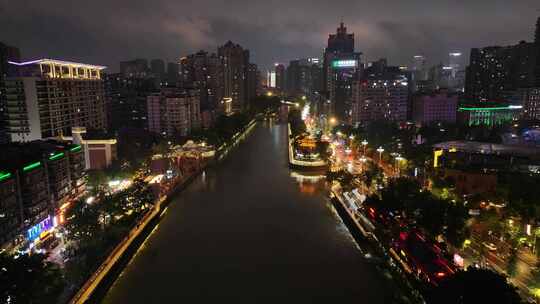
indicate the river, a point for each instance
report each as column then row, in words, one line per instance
column 248, row 231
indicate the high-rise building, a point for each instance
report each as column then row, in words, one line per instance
column 126, row 96
column 304, row 76
column 157, row 66
column 37, row 181
column 137, row 68
column 537, row 42
column 7, row 53
column 537, row 32
column 251, row 79
column 173, row 73
column 174, row 112
column 436, row 107
column 529, row 98
column 271, row 79
column 494, row 70
column 341, row 67
column 279, row 69
column 46, row 98
column 440, row 76
column 203, row 71
column 379, row 100
column 235, row 62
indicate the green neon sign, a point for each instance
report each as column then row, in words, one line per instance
column 76, row 148
column 57, row 156
column 4, row 176
column 32, row 166
column 490, row 108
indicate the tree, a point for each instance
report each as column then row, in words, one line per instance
column 511, row 266
column 96, row 179
column 29, row 279
column 297, row 124
column 373, row 174
column 475, row 286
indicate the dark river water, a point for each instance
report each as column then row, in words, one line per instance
column 250, row 230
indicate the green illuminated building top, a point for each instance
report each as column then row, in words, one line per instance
column 4, row 176
column 57, row 156
column 31, row 166
column 489, row 115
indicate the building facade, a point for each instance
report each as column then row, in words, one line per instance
column 235, row 61
column 203, row 71
column 488, row 114
column 37, row 180
column 530, row 100
column 279, row 69
column 157, row 67
column 174, row 112
column 46, row 98
column 341, row 67
column 379, row 100
column 437, row 107
column 7, row 53
column 494, row 70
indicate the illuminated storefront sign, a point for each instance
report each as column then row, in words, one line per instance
column 350, row 63
column 43, row 226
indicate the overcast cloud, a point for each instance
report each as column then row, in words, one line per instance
column 106, row 32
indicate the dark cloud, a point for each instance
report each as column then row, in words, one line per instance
column 106, row 32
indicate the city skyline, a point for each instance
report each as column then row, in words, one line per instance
column 96, row 33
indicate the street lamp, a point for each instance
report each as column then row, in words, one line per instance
column 364, row 143
column 380, row 150
column 398, row 159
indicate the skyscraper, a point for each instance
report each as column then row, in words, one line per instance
column 537, row 32
column 235, row 62
column 173, row 70
column 303, row 76
column 341, row 42
column 174, row 112
column 537, row 42
column 157, row 66
column 7, row 53
column 279, row 69
column 203, row 71
column 341, row 67
column 46, row 98
column 251, row 79
column 496, row 69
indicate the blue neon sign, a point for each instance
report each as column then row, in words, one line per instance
column 35, row 231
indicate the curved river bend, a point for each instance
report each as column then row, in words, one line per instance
column 248, row 231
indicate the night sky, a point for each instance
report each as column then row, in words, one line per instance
column 106, row 32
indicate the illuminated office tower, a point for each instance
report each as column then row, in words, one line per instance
column 341, row 67
column 46, row 98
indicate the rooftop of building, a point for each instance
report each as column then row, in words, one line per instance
column 492, row 105
column 92, row 134
column 488, row 148
column 58, row 62
column 19, row 155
